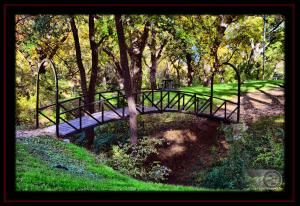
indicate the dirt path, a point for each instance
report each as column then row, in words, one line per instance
column 35, row 132
column 262, row 103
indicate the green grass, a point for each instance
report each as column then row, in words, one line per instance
column 230, row 89
column 37, row 157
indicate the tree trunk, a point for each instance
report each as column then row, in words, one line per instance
column 190, row 69
column 206, row 71
column 137, row 76
column 89, row 93
column 127, row 80
column 153, row 69
column 78, row 57
column 92, row 85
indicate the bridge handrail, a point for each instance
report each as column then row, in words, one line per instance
column 144, row 90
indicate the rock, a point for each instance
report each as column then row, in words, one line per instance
column 61, row 167
column 67, row 140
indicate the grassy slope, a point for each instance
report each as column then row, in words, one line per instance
column 37, row 157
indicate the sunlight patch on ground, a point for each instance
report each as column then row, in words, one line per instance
column 175, row 150
column 179, row 136
column 178, row 139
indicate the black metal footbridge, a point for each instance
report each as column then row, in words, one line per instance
column 72, row 115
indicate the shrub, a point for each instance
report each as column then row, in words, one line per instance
column 229, row 175
column 111, row 133
column 104, row 141
column 135, row 161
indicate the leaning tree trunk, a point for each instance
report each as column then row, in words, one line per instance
column 137, row 73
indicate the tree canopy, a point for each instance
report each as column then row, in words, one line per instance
column 101, row 52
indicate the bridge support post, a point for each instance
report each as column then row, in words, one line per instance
column 152, row 96
column 57, row 118
column 211, row 93
column 37, row 102
column 168, row 98
column 239, row 89
column 161, row 100
column 80, row 114
column 179, row 101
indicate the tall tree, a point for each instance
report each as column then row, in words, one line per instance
column 87, row 90
column 155, row 55
column 128, row 85
column 137, row 43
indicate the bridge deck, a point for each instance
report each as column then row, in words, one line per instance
column 87, row 121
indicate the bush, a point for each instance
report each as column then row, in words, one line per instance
column 229, row 175
column 25, row 110
column 135, row 161
column 111, row 133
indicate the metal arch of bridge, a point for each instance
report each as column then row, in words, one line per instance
column 41, row 70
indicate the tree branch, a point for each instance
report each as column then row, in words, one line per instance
column 275, row 27
column 230, row 57
column 78, row 56
column 54, row 50
column 115, row 60
column 161, row 48
column 101, row 40
column 144, row 59
column 144, row 37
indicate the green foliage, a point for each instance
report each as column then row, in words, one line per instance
column 135, row 161
column 25, row 107
column 104, row 141
column 229, row 174
column 109, row 134
column 268, row 149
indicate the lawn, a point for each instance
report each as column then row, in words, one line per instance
column 230, row 89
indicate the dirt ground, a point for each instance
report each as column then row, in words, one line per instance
column 189, row 149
